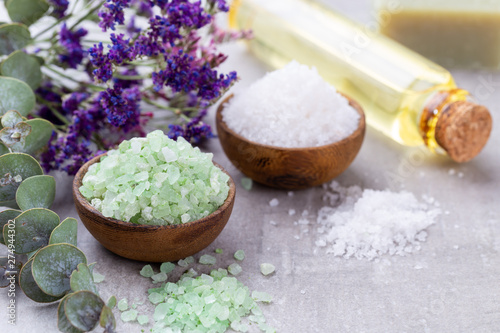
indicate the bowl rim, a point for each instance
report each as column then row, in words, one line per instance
column 360, row 130
column 77, row 182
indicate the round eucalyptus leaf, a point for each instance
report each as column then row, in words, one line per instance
column 14, row 165
column 62, row 321
column 36, row 192
column 26, row 11
column 5, row 217
column 15, row 137
column 30, row 288
column 111, row 303
column 41, row 132
column 32, row 229
column 107, row 319
column 3, row 149
column 13, row 36
column 24, row 67
column 15, row 95
column 83, row 309
column 11, row 118
column 65, row 232
column 53, row 265
column 81, row 279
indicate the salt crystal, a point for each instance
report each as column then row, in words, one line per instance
column 274, row 202
column 143, row 319
column 290, row 193
column 367, row 224
column 291, row 212
column 246, row 183
column 460, row 175
column 305, row 112
column 234, row 269
column 167, row 267
column 130, row 315
column 273, row 222
column 451, row 172
column 123, row 304
column 239, row 255
column 207, row 259
column 147, row 271
column 266, row 268
column 160, row 277
column 219, row 251
column 98, row 278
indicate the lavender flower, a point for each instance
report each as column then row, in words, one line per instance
column 73, row 101
column 103, row 68
column 125, row 82
column 121, row 50
column 112, row 14
column 122, row 106
column 59, row 7
column 73, row 53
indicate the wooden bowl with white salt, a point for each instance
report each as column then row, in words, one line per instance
column 290, row 168
column 151, row 243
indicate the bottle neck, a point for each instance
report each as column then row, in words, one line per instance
column 434, row 107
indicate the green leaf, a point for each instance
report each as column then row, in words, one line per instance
column 30, row 288
column 13, row 36
column 53, row 265
column 83, row 309
column 65, row 232
column 15, row 164
column 24, row 67
column 33, row 228
column 41, row 132
column 15, row 138
column 111, row 303
column 81, row 279
column 36, row 192
column 62, row 321
column 15, row 95
column 11, row 118
column 5, row 217
column 3, row 149
column 107, row 319
column 26, row 11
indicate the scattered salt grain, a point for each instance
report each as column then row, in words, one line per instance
column 266, row 268
column 167, row 267
column 160, row 277
column 239, row 255
column 291, row 193
column 183, row 263
column 147, row 271
column 143, row 319
column 219, row 251
column 130, row 315
column 304, row 112
column 234, row 269
column 123, row 304
column 273, row 222
column 98, row 278
column 460, row 175
column 274, row 202
column 367, row 224
column 291, row 212
column 207, row 259
column 451, row 172
column 247, row 183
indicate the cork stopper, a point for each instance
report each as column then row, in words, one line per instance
column 463, row 129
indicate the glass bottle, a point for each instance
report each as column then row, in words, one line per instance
column 404, row 95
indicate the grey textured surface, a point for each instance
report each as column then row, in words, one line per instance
column 451, row 285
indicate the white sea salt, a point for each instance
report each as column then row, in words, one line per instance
column 274, row 202
column 367, row 223
column 291, row 107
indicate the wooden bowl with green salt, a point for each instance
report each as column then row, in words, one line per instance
column 290, row 168
column 151, row 243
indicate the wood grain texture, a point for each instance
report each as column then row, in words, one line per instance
column 147, row 242
column 290, row 168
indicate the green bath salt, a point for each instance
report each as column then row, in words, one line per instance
column 157, row 181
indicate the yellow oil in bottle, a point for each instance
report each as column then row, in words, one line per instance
column 392, row 83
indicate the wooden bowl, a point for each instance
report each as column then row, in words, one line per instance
column 148, row 242
column 290, row 168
